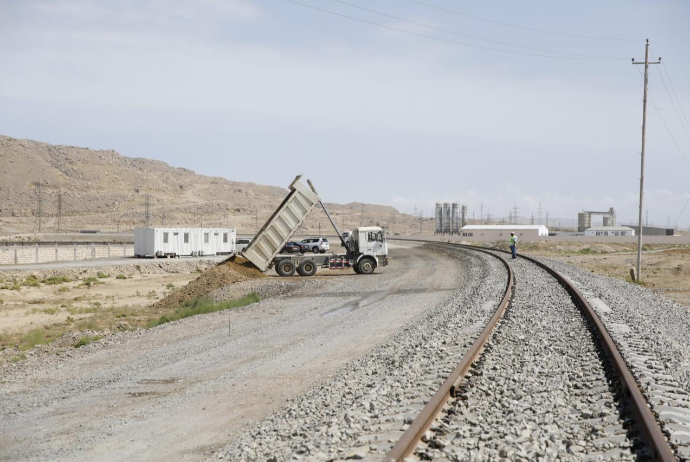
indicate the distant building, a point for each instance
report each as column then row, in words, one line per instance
column 499, row 232
column 609, row 231
column 653, row 230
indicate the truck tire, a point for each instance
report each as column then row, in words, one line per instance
column 307, row 268
column 315, row 249
column 356, row 268
column 285, row 268
column 366, row 266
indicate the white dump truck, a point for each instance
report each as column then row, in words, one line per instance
column 365, row 250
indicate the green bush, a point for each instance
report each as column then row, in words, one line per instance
column 120, row 276
column 34, row 337
column 63, row 289
column 31, row 281
column 170, row 285
column 88, row 282
column 101, row 275
column 86, row 340
column 203, row 305
column 54, row 280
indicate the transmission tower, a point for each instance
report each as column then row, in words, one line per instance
column 539, row 214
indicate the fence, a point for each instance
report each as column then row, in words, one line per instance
column 21, row 254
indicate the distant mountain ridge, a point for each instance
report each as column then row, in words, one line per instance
column 101, row 189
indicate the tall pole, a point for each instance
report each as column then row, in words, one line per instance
column 646, row 63
column 59, row 223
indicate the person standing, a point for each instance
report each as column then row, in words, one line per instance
column 513, row 245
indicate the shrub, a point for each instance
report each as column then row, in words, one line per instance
column 120, row 276
column 31, row 281
column 54, row 280
column 170, row 285
column 63, row 289
column 20, row 357
column 2, row 301
column 86, row 340
column 88, row 282
column 202, row 305
column 101, row 275
column 34, row 337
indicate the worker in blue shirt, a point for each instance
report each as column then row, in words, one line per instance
column 513, row 245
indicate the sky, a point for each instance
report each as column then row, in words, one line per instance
column 406, row 104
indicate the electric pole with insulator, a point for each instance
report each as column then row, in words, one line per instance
column 646, row 63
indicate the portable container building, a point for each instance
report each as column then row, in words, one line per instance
column 502, row 232
column 183, row 242
column 610, row 231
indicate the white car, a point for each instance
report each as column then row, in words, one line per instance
column 314, row 244
column 241, row 244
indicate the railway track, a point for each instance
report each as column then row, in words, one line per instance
column 514, row 365
column 479, row 410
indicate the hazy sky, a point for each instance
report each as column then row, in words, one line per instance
column 266, row 89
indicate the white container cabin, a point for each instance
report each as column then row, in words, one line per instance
column 183, row 242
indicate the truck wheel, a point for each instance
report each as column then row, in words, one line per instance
column 285, row 268
column 366, row 266
column 315, row 249
column 356, row 268
column 307, row 268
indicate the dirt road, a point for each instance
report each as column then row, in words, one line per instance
column 180, row 390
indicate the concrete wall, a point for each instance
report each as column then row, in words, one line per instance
column 27, row 254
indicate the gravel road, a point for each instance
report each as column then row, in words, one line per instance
column 182, row 390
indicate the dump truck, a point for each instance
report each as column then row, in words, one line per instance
column 365, row 250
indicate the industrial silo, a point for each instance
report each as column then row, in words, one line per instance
column 446, row 218
column 609, row 220
column 584, row 221
column 464, row 216
column 438, row 219
column 455, row 218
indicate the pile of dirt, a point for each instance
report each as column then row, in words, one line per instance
column 233, row 270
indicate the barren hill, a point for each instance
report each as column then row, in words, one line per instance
column 106, row 191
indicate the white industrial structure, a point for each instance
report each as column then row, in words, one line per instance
column 449, row 217
column 183, row 242
column 498, row 232
column 610, row 231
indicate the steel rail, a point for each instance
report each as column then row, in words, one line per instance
column 413, row 435
column 645, row 419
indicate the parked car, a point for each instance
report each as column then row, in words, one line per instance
column 291, row 247
column 314, row 244
column 241, row 243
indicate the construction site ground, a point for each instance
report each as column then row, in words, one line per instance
column 179, row 390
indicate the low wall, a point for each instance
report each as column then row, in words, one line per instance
column 27, row 254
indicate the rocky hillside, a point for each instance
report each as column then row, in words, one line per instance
column 106, row 191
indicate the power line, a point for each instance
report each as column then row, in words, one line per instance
column 473, row 36
column 672, row 102
column 661, row 116
column 431, row 37
column 663, row 64
column 521, row 27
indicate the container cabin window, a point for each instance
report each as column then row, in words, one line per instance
column 206, row 238
column 165, row 238
column 225, row 238
column 186, row 238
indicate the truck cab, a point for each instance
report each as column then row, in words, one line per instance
column 368, row 243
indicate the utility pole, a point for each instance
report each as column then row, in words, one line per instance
column 59, row 217
column 539, row 214
column 147, row 209
column 39, row 193
column 361, row 218
column 515, row 214
column 547, row 218
column 646, row 63
column 481, row 211
column 532, row 220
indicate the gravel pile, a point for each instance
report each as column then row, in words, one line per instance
column 229, row 272
column 653, row 335
column 541, row 388
column 364, row 409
